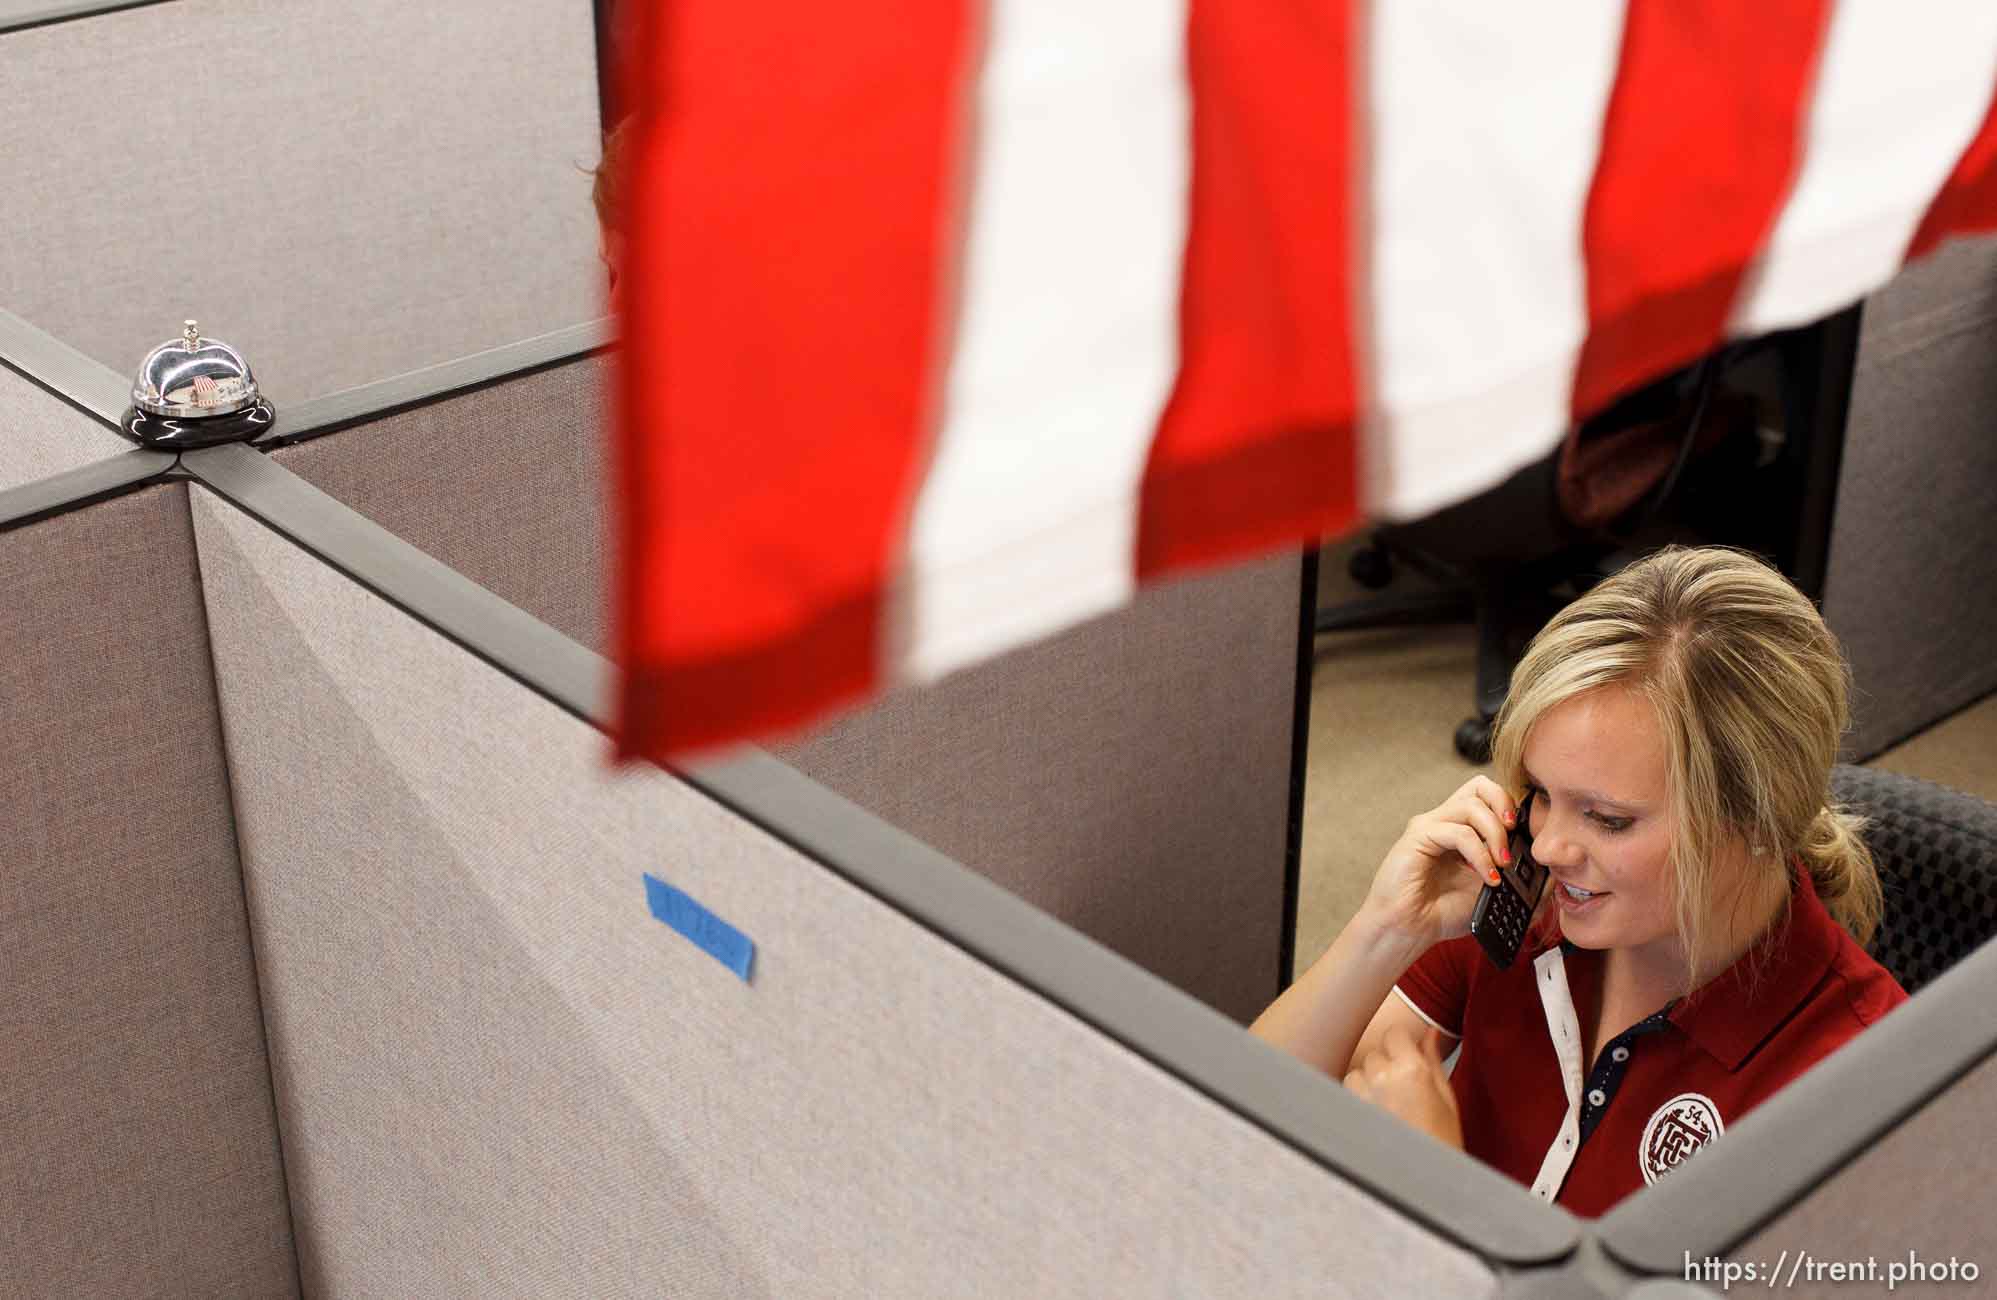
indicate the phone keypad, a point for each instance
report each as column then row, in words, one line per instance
column 1510, row 915
column 1501, row 923
column 1500, row 919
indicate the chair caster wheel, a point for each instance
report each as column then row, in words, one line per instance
column 1473, row 740
column 1370, row 567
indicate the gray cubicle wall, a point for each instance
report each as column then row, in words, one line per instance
column 43, row 429
column 40, row 435
column 138, row 1141
column 1132, row 776
column 1912, row 556
column 498, row 1073
column 1922, row 1193
column 344, row 189
column 503, row 483
column 492, row 1069
column 466, row 804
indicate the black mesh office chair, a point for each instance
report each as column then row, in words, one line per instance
column 1936, row 850
column 1509, row 558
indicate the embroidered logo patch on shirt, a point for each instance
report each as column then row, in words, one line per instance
column 1680, row 1127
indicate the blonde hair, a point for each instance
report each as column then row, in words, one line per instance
column 1750, row 690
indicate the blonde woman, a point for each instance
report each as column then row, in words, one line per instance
column 1700, row 941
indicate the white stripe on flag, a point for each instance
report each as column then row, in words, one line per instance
column 1901, row 89
column 1487, row 120
column 1068, row 340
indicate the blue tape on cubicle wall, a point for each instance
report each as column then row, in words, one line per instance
column 709, row 933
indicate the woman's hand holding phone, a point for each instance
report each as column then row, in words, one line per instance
column 1427, row 885
column 1423, row 893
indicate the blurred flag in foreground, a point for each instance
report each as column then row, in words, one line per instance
column 948, row 325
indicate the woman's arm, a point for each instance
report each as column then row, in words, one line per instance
column 1422, row 894
column 1345, row 999
column 1405, row 1078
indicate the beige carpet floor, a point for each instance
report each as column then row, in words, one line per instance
column 1384, row 708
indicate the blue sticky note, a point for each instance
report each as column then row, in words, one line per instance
column 709, row 933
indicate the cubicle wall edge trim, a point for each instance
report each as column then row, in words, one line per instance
column 1467, row 1203
column 257, row 990
column 1590, row 1273
column 303, row 421
column 1300, row 743
column 1446, row 1192
column 62, row 372
column 1814, row 1126
column 509, row 639
column 86, row 485
column 44, row 15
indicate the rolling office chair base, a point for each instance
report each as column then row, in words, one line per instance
column 1513, row 604
column 1473, row 740
column 1372, row 567
column 1510, row 608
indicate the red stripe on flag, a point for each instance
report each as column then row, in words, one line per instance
column 1700, row 148
column 791, row 212
column 1256, row 447
column 1967, row 203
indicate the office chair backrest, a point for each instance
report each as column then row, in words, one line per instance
column 1936, row 850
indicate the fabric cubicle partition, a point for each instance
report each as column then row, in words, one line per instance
column 1924, row 1192
column 138, row 1143
column 494, row 466
column 526, row 842
column 498, row 1072
column 41, row 436
column 489, row 1067
column 47, row 394
column 344, row 189
column 407, row 194
column 492, row 1069
column 1911, row 548
column 1132, row 777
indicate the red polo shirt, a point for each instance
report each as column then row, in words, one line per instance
column 1588, row 1133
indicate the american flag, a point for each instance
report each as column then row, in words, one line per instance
column 948, row 325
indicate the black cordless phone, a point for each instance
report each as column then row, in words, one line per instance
column 1499, row 920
